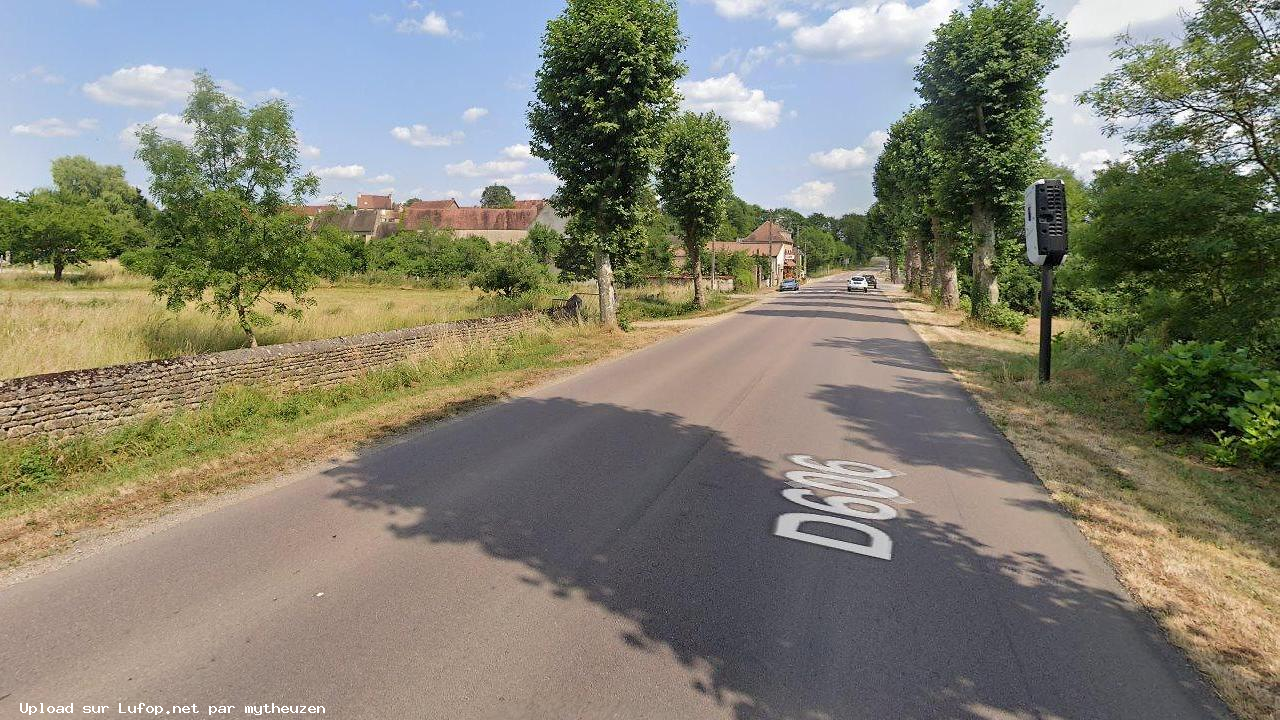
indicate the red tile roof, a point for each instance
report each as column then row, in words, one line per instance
column 769, row 232
column 374, row 202
column 471, row 218
column 450, row 203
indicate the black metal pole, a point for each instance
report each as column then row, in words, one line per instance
column 1046, row 320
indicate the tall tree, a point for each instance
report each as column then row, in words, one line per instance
column 604, row 93
column 497, row 196
column 1215, row 93
column 79, row 179
column 982, row 80
column 695, row 182
column 54, row 228
column 225, row 238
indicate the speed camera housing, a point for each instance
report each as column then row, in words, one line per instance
column 1046, row 222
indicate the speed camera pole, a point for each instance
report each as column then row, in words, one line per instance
column 1046, row 230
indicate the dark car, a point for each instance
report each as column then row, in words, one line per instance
column 789, row 284
column 871, row 280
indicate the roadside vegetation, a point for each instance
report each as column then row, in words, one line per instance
column 1160, row 431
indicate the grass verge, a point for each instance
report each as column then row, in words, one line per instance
column 1198, row 546
column 53, row 494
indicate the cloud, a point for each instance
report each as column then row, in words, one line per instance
column 736, row 9
column 306, row 150
column 811, row 195
column 54, row 127
column 383, row 179
column 167, row 124
column 744, row 61
column 340, row 172
column 728, row 96
column 38, row 73
column 788, row 19
column 432, row 23
column 473, row 114
column 141, row 86
column 872, row 30
column 470, row 168
column 733, row 160
column 1087, row 163
column 421, row 136
column 1093, row 21
column 271, row 93
column 517, row 151
column 841, row 159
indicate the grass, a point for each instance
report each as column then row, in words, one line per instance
column 670, row 303
column 53, row 493
column 1197, row 545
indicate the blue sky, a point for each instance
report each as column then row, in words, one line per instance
column 428, row 98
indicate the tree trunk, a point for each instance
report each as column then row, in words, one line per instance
column 250, row 339
column 946, row 284
column 604, row 288
column 914, row 281
column 699, row 292
column 986, row 291
column 894, row 275
column 58, row 265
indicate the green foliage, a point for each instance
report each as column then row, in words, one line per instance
column 1195, row 247
column 1257, row 420
column 437, row 256
column 1002, row 317
column 60, row 229
column 604, row 94
column 695, row 182
column 497, row 196
column 545, row 243
column 741, row 217
column 225, row 239
column 510, row 270
column 1190, row 385
column 820, row 246
column 1213, row 93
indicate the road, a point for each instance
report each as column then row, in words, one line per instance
column 608, row 547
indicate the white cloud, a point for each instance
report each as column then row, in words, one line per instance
column 421, row 136
column 474, row 113
column 141, row 86
column 1079, row 118
column 470, row 168
column 517, row 151
column 740, row 8
column 341, row 172
column 383, row 179
column 1058, row 98
column 733, row 160
column 1088, row 162
column 453, row 193
column 167, row 124
column 728, row 96
column 39, row 73
column 873, row 29
column 744, row 61
column 271, row 93
column 432, row 23
column 788, row 19
column 309, row 151
column 1102, row 20
column 54, row 127
column 840, row 159
column 811, row 195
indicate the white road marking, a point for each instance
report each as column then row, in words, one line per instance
column 853, row 481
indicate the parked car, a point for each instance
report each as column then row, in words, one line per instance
column 871, row 280
column 857, row 283
column 789, row 284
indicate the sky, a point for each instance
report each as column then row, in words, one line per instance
column 427, row 98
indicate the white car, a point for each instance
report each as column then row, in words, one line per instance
column 858, row 283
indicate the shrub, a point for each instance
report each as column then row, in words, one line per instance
column 1190, row 385
column 1257, row 419
column 511, row 270
column 1002, row 317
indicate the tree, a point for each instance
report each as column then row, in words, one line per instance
column 225, row 238
column 695, row 182
column 510, row 270
column 981, row 78
column 545, row 243
column 604, row 93
column 81, row 180
column 497, row 196
column 60, row 230
column 1215, row 93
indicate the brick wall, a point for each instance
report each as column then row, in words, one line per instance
column 80, row 401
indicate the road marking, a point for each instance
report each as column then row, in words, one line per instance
column 858, row 496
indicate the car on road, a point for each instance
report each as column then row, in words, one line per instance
column 871, row 280
column 789, row 284
column 857, row 283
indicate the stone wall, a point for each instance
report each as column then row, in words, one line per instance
column 81, row 401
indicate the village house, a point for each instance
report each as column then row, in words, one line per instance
column 771, row 241
column 379, row 216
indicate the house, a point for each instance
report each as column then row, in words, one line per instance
column 378, row 216
column 771, row 241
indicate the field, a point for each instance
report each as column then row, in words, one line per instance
column 1197, row 545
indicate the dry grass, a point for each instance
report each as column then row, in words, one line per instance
column 108, row 317
column 1198, row 546
column 131, row 491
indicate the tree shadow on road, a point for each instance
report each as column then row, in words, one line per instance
column 668, row 526
column 906, row 354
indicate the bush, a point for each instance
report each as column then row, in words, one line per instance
column 1257, row 419
column 1191, row 385
column 1002, row 317
column 511, row 270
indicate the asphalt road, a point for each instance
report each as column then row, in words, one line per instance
column 607, row 547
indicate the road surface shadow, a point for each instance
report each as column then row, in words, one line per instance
column 668, row 526
column 892, row 352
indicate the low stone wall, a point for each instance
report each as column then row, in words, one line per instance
column 92, row 400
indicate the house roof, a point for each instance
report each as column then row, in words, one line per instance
column 450, row 203
column 374, row 202
column 769, row 232
column 472, row 218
